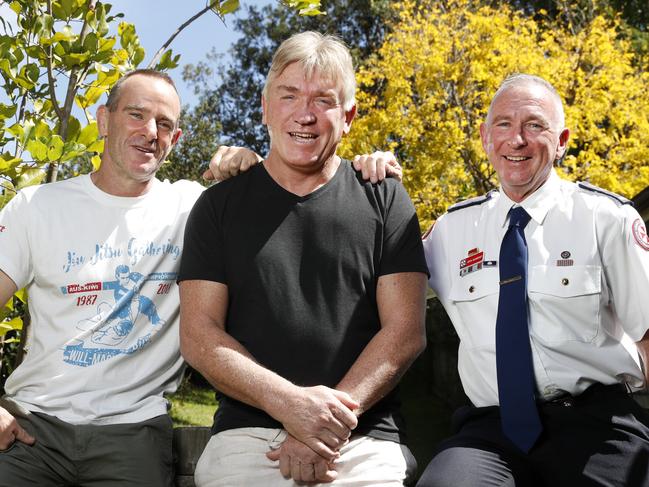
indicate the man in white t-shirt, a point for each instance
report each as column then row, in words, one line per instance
column 98, row 255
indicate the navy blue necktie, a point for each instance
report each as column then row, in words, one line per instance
column 516, row 383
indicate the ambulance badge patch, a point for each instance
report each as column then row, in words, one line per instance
column 640, row 234
column 473, row 262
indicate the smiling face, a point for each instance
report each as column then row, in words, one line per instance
column 139, row 134
column 523, row 136
column 305, row 119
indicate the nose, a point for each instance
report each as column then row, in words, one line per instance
column 517, row 137
column 150, row 129
column 304, row 115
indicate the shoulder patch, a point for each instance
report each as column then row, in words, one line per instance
column 596, row 189
column 478, row 200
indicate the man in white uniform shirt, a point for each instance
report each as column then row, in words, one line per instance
column 583, row 278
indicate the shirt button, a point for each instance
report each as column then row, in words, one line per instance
column 565, row 281
column 471, row 289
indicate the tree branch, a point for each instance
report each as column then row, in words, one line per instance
column 50, row 75
column 69, row 98
column 179, row 30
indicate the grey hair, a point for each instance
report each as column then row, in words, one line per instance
column 519, row 79
column 325, row 54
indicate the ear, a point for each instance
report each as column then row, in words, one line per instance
column 349, row 116
column 176, row 136
column 484, row 136
column 102, row 120
column 263, row 110
column 563, row 143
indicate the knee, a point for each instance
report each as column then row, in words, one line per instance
column 467, row 467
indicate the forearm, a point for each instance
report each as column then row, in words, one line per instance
column 380, row 367
column 643, row 351
column 231, row 369
column 402, row 337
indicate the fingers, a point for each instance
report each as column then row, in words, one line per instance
column 23, row 436
column 228, row 161
column 14, row 432
column 324, row 472
column 345, row 414
column 377, row 166
column 394, row 169
column 322, row 449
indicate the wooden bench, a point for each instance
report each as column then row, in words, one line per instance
column 188, row 444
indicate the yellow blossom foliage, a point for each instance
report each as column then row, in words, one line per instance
column 428, row 88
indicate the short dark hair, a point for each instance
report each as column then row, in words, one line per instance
column 113, row 94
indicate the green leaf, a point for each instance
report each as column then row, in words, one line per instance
column 67, row 6
column 8, row 161
column 75, row 151
column 21, row 294
column 90, row 43
column 88, row 134
column 30, row 177
column 37, row 149
column 229, row 6
column 96, row 162
column 7, row 111
column 42, row 130
column 55, row 149
column 13, row 324
column 16, row 7
column 65, row 34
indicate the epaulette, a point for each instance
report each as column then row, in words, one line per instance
column 595, row 189
column 478, row 200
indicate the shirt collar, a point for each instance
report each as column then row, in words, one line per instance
column 537, row 205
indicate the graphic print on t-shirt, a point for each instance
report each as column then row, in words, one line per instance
column 117, row 316
column 107, row 331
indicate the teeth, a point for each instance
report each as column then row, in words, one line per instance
column 515, row 159
column 302, row 136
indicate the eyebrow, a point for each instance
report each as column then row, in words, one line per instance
column 140, row 108
column 294, row 89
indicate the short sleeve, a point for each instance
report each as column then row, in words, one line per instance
column 625, row 254
column 402, row 248
column 15, row 248
column 202, row 257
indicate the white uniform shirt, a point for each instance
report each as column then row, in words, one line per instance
column 588, row 283
column 101, row 274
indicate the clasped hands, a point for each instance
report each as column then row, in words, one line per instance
column 319, row 422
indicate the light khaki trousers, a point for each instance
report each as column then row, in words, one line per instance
column 237, row 458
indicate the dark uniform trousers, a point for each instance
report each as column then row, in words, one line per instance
column 599, row 438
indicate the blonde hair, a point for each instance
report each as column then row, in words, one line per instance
column 325, row 54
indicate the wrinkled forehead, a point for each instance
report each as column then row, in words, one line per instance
column 149, row 92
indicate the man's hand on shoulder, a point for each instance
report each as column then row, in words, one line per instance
column 300, row 463
column 377, row 166
column 320, row 417
column 229, row 161
column 11, row 431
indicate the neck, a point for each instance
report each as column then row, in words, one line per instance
column 298, row 180
column 116, row 186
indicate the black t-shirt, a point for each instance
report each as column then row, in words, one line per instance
column 301, row 275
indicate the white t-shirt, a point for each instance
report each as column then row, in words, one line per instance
column 100, row 272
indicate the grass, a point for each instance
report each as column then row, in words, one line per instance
column 192, row 406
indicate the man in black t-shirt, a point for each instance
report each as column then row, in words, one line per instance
column 302, row 294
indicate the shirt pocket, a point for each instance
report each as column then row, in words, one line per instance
column 565, row 302
column 475, row 297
